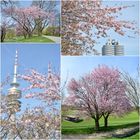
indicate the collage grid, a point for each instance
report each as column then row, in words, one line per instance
column 69, row 69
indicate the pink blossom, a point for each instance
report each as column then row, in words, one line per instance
column 87, row 20
column 101, row 91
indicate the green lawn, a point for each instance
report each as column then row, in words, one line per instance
column 32, row 39
column 87, row 126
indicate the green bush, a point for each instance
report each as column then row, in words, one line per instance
column 51, row 31
column 10, row 34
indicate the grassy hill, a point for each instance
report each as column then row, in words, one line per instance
column 87, row 126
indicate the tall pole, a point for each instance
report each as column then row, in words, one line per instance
column 14, row 93
column 15, row 68
column 49, row 71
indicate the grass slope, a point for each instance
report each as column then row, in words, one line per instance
column 32, row 39
column 87, row 126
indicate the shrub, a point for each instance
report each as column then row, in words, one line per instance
column 52, row 31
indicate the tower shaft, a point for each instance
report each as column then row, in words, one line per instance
column 14, row 93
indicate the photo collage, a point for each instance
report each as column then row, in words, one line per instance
column 69, row 70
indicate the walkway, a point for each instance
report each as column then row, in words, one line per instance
column 96, row 136
column 53, row 38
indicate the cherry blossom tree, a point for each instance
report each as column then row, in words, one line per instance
column 4, row 26
column 48, row 85
column 37, row 123
column 3, row 109
column 4, row 114
column 85, row 21
column 100, row 93
column 26, row 17
column 44, row 88
column 49, row 7
column 40, row 122
column 32, row 123
column 5, row 22
column 20, row 31
column 3, row 31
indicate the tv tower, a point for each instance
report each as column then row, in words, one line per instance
column 14, row 94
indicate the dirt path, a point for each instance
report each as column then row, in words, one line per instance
column 95, row 136
column 53, row 38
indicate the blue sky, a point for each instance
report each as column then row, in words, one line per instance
column 74, row 67
column 35, row 56
column 131, row 45
column 27, row 3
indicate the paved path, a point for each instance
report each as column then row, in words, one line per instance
column 95, row 136
column 53, row 38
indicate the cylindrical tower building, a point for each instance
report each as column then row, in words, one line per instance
column 108, row 49
column 118, row 49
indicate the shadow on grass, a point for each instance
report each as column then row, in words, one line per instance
column 76, row 121
column 121, row 126
column 90, row 130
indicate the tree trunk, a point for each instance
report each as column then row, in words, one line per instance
column 97, row 124
column 39, row 28
column 25, row 36
column 39, row 32
column 3, row 33
column 106, row 119
column 138, row 110
column 106, row 122
column 29, row 35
